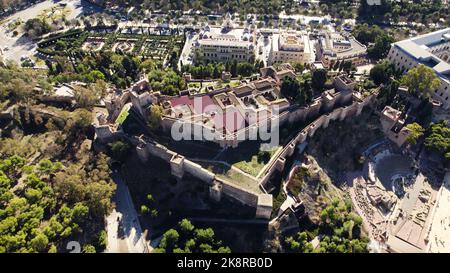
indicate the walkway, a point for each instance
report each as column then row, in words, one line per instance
column 123, row 227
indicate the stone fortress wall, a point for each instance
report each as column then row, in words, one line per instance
column 330, row 102
column 341, row 94
column 261, row 201
column 180, row 165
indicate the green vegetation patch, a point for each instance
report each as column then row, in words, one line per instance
column 297, row 180
column 227, row 173
column 248, row 157
column 339, row 231
column 123, row 115
column 186, row 238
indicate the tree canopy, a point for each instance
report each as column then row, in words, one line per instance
column 421, row 80
column 319, row 78
column 297, row 91
column 167, row 81
column 416, row 132
column 342, row 229
column 46, row 211
column 381, row 73
column 438, row 140
column 186, row 238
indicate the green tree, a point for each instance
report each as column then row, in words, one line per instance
column 299, row 67
column 119, row 149
column 299, row 243
column 144, row 210
column 185, row 238
column 80, row 213
column 263, row 156
column 290, row 89
column 380, row 73
column 85, row 97
column 347, row 66
column 154, row 119
column 154, row 213
column 5, row 182
column 150, row 198
column 204, row 235
column 416, row 132
column 102, row 240
column 169, row 240
column 439, row 138
column 421, row 80
column 381, row 47
column 79, row 121
column 186, row 227
column 89, row 249
column 319, row 78
column 245, row 69
column 39, row 243
column 52, row 249
column 36, row 27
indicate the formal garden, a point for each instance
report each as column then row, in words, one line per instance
column 156, row 47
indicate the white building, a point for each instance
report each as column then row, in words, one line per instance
column 333, row 47
column 290, row 48
column 432, row 50
column 226, row 43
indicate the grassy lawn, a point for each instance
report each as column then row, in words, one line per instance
column 193, row 85
column 245, row 157
column 123, row 115
column 234, row 83
column 226, row 173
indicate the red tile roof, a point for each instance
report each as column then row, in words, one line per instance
column 231, row 119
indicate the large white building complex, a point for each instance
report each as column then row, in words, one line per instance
column 226, row 43
column 432, row 50
column 291, row 48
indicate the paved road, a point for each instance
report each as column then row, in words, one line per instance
column 187, row 49
column 16, row 47
column 125, row 235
